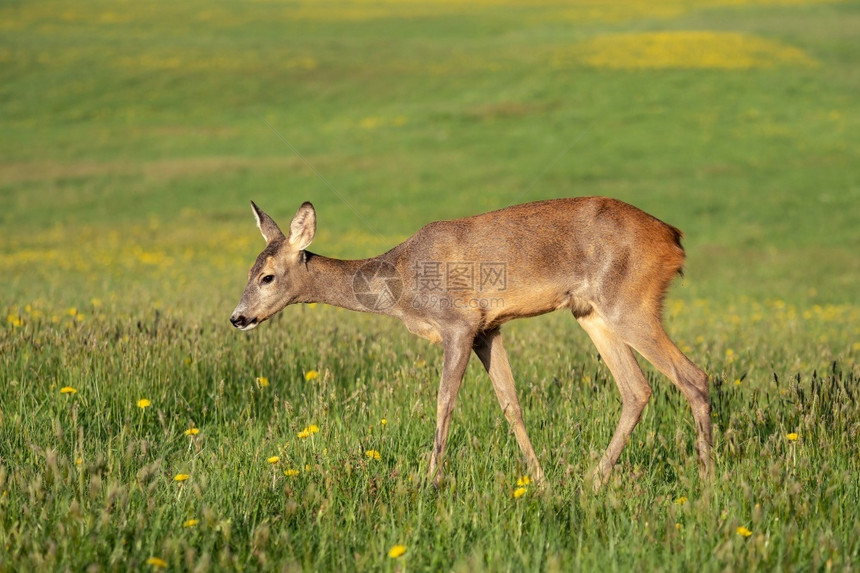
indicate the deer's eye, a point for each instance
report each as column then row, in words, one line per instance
column 267, row 279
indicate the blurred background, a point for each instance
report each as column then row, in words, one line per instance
column 134, row 134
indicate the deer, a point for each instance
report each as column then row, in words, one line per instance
column 456, row 282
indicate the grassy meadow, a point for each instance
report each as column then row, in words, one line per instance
column 140, row 431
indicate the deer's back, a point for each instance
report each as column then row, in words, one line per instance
column 533, row 258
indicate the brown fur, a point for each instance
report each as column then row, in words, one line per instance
column 608, row 262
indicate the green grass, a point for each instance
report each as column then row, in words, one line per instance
column 134, row 136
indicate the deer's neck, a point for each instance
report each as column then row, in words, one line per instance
column 331, row 281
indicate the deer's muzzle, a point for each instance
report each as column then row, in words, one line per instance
column 243, row 323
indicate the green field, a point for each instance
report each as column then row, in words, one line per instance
column 134, row 135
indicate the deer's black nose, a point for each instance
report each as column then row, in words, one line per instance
column 239, row 321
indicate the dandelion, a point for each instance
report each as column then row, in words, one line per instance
column 523, row 481
column 262, row 381
column 373, row 454
column 743, row 531
column 681, row 500
column 14, row 320
column 273, row 459
column 689, row 50
column 156, row 562
column 312, row 429
column 792, row 437
column 397, row 551
column 192, row 431
column 383, row 421
column 67, row 390
column 311, row 375
column 143, row 403
column 291, row 473
column 190, row 523
column 519, row 492
column 181, row 477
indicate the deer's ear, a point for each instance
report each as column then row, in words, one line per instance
column 267, row 225
column 303, row 227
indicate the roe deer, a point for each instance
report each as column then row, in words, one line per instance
column 456, row 282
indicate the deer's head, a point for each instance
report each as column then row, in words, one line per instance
column 278, row 275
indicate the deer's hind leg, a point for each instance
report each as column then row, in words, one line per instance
column 651, row 341
column 631, row 383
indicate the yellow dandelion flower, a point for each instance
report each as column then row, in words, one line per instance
column 14, row 320
column 743, row 531
column 397, row 551
column 519, row 492
column 181, row 477
column 308, row 430
column 190, row 522
column 262, row 381
column 311, row 375
column 383, row 421
column 307, row 467
column 67, row 390
column 525, row 480
column 273, row 459
column 373, row 454
column 738, row 382
column 143, row 403
column 156, row 562
column 681, row 500
column 792, row 437
column 192, row 431
column 291, row 473
column 688, row 49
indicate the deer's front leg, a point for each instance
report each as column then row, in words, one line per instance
column 457, row 347
column 491, row 351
